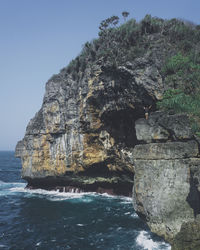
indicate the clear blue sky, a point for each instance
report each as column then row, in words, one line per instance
column 39, row 37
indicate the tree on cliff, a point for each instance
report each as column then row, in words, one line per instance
column 107, row 23
column 125, row 14
column 114, row 20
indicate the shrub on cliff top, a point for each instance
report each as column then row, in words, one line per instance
column 183, row 71
column 119, row 43
column 178, row 101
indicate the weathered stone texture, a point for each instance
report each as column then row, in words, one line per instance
column 168, row 150
column 166, row 190
column 87, row 123
column 148, row 132
column 160, row 191
column 189, row 236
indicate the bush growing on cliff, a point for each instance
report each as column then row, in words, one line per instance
column 151, row 25
column 178, row 101
column 183, row 71
column 119, row 43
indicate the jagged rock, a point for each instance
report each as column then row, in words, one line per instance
column 148, row 133
column 168, row 150
column 178, row 124
column 163, row 126
column 84, row 126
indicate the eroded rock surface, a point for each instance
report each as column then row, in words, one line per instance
column 84, row 133
column 166, row 182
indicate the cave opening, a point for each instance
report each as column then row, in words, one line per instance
column 120, row 124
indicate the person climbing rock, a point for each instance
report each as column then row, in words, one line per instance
column 146, row 111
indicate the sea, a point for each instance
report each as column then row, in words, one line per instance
column 39, row 219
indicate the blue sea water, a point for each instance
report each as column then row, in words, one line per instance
column 39, row 219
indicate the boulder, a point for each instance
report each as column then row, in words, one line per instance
column 162, row 126
column 148, row 132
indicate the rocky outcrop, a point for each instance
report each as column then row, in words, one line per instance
column 83, row 135
column 89, row 135
column 166, row 189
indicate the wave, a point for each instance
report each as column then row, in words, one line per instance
column 60, row 196
column 51, row 195
column 144, row 240
column 6, row 186
column 3, row 246
column 11, row 184
column 126, row 200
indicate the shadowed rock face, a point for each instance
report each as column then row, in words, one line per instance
column 84, row 133
column 167, row 178
column 189, row 236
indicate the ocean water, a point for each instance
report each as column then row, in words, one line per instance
column 39, row 219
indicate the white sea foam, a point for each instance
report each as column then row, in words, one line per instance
column 18, row 184
column 126, row 200
column 6, row 186
column 58, row 196
column 144, row 240
column 38, row 243
column 51, row 195
column 134, row 215
column 107, row 195
column 3, row 246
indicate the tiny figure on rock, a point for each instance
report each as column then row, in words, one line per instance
column 146, row 111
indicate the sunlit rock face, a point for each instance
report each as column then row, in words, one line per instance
column 83, row 135
column 166, row 190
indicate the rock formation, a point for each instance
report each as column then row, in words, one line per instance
column 90, row 133
column 83, row 135
column 166, row 190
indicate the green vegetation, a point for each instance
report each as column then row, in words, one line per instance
column 182, row 73
column 125, row 41
column 176, row 43
column 179, row 102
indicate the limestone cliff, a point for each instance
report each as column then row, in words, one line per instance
column 166, row 183
column 90, row 133
column 84, row 133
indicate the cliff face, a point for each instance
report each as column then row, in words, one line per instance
column 90, row 133
column 166, row 183
column 84, row 133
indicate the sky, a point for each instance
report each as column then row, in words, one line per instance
column 40, row 37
